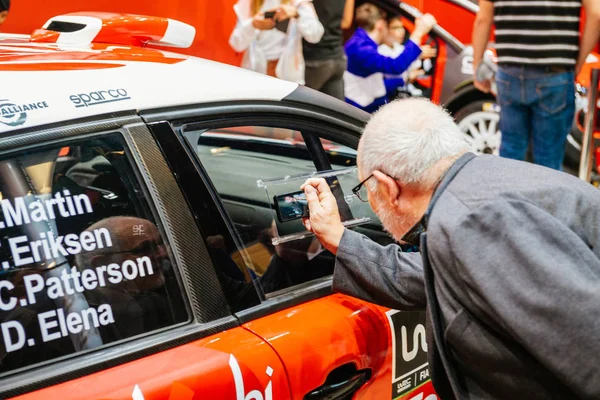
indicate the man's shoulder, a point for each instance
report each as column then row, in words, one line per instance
column 493, row 182
column 483, row 181
column 488, row 177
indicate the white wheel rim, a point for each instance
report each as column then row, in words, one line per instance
column 482, row 131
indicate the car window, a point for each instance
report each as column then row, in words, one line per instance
column 235, row 159
column 83, row 262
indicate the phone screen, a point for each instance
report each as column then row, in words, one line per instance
column 269, row 14
column 291, row 206
column 282, row 25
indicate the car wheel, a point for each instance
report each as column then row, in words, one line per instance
column 479, row 121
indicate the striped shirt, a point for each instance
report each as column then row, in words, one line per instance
column 537, row 32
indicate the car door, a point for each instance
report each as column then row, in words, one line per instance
column 332, row 346
column 107, row 290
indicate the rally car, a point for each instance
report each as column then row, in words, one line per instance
column 141, row 254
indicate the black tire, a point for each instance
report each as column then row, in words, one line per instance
column 472, row 107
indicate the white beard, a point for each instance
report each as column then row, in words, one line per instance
column 394, row 224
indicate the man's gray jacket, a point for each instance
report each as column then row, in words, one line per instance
column 513, row 265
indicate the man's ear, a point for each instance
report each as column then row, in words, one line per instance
column 388, row 186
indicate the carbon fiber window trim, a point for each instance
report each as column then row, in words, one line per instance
column 207, row 299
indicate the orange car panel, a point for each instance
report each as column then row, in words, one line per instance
column 440, row 69
column 229, row 366
column 113, row 28
column 311, row 340
column 584, row 76
column 316, row 337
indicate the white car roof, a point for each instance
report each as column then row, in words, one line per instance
column 47, row 83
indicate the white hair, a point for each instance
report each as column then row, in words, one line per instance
column 405, row 138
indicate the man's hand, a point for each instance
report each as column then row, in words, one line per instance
column 264, row 24
column 414, row 74
column 286, row 11
column 324, row 220
column 423, row 25
column 484, row 86
column 427, row 52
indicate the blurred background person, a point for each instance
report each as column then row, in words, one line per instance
column 4, row 9
column 143, row 297
column 364, row 83
column 270, row 34
column 539, row 52
column 393, row 46
column 393, row 43
column 325, row 60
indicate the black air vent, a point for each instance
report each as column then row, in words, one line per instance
column 63, row 26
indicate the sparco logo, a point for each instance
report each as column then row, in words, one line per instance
column 99, row 97
column 12, row 114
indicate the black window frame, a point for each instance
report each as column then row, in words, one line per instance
column 297, row 112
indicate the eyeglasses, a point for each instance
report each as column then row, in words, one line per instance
column 361, row 193
column 360, row 190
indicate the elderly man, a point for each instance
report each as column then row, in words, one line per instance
column 509, row 269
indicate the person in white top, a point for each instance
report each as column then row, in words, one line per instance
column 270, row 33
column 393, row 47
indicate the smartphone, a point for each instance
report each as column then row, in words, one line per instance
column 282, row 25
column 269, row 14
column 291, row 206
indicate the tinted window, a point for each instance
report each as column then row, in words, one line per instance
column 235, row 159
column 82, row 259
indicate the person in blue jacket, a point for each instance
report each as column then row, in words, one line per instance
column 365, row 81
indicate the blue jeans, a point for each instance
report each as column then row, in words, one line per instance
column 537, row 107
